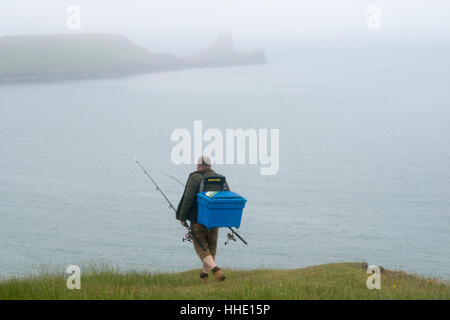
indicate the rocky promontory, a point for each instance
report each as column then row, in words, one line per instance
column 42, row 58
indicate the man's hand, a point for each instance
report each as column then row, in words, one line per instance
column 183, row 223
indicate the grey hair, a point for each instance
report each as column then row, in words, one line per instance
column 204, row 161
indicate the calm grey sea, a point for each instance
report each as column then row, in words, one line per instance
column 364, row 165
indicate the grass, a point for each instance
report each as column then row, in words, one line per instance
column 329, row 281
column 74, row 53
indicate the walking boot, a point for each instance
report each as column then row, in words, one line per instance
column 218, row 274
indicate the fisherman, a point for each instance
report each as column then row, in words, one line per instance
column 187, row 210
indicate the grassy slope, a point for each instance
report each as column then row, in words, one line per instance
column 331, row 281
column 78, row 52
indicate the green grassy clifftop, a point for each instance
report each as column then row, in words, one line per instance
column 87, row 55
column 330, row 281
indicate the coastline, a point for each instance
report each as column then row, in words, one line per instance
column 52, row 58
column 60, row 77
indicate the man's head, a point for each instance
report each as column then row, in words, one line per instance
column 203, row 163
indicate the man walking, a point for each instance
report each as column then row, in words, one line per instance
column 187, row 210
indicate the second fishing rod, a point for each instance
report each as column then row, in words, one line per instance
column 190, row 235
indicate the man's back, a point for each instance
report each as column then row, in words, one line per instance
column 187, row 208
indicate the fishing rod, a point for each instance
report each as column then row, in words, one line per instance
column 175, row 179
column 230, row 236
column 188, row 236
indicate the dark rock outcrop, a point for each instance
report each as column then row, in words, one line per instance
column 221, row 53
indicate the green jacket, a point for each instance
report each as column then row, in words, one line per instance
column 187, row 208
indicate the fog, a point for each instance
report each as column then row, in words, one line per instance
column 184, row 27
column 248, row 18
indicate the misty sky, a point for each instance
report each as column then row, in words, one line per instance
column 183, row 18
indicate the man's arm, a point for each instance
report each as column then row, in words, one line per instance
column 190, row 197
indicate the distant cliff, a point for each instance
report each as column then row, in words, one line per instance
column 88, row 56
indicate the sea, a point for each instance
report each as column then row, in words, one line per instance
column 364, row 154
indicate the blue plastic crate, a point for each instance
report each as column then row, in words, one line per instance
column 220, row 209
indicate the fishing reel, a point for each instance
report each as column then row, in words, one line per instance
column 230, row 236
column 188, row 237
